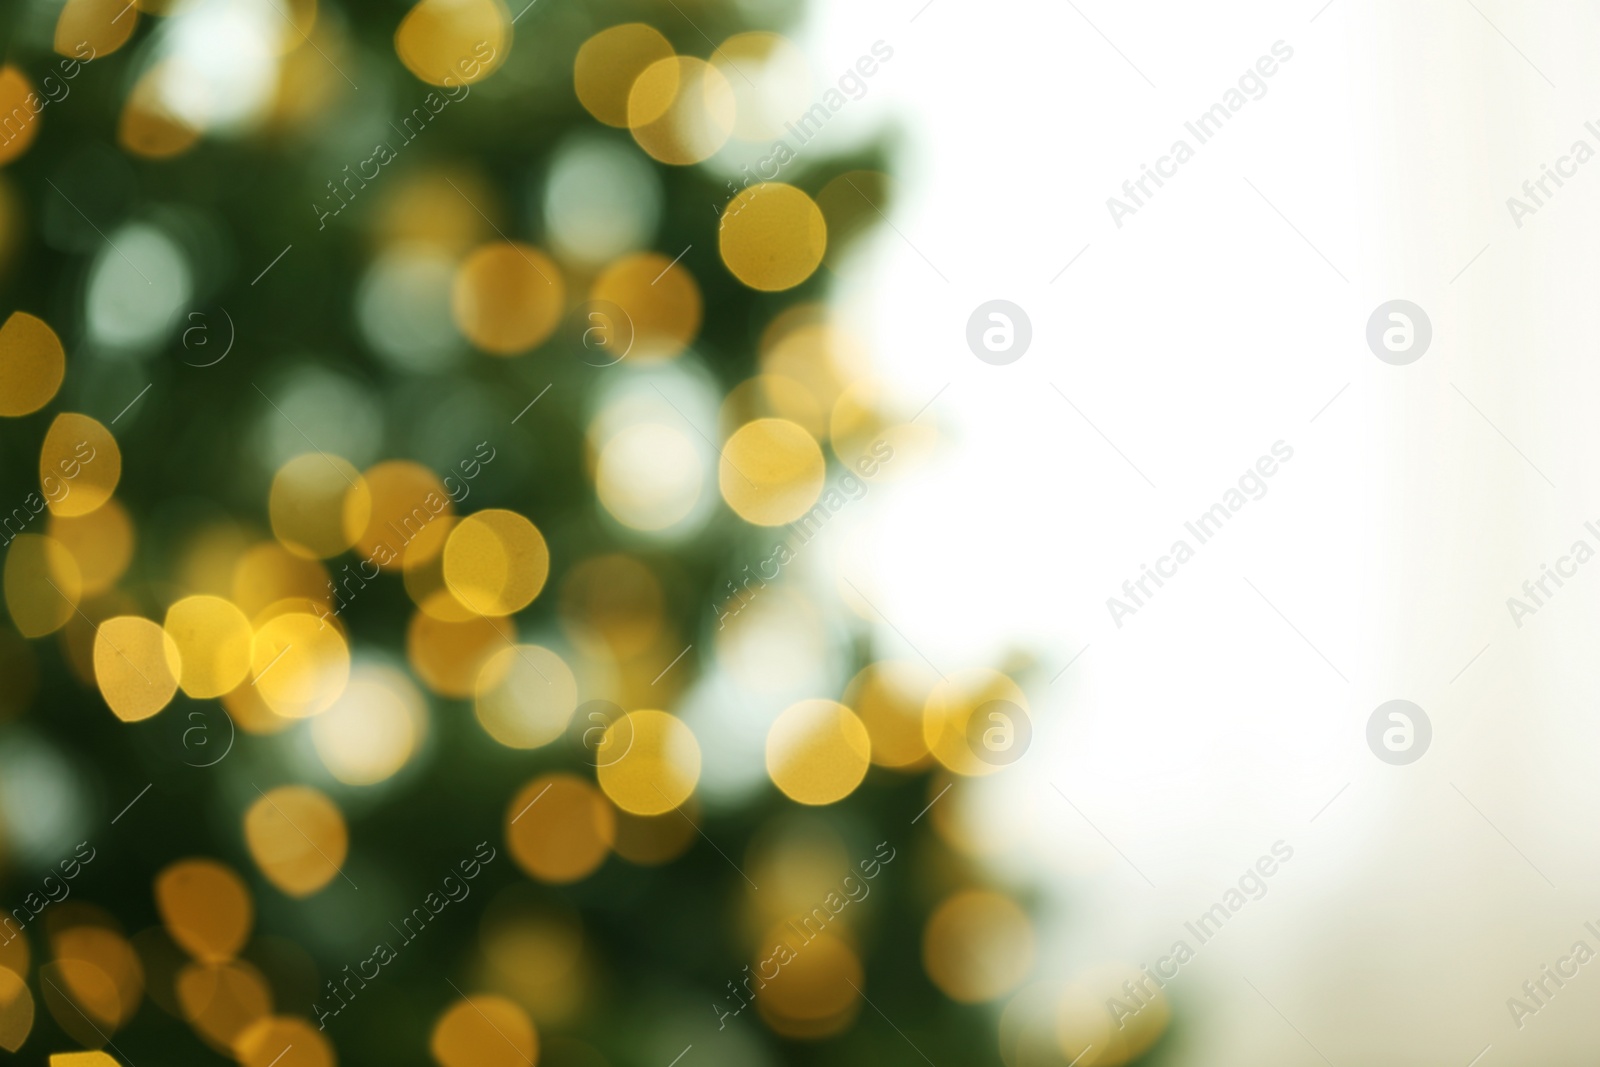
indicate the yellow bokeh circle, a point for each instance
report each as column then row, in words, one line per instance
column 507, row 298
column 454, row 42
column 818, row 752
column 484, row 1031
column 559, row 828
column 81, row 457
column 649, row 762
column 136, row 666
column 773, row 236
column 495, row 562
column 977, row 946
column 681, row 110
column 610, row 62
column 771, row 471
column 32, row 362
column 297, row 837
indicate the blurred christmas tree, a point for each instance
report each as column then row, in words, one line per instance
column 421, row 396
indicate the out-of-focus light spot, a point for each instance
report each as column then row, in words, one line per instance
column 496, row 562
column 205, row 908
column 951, row 705
column 283, row 1041
column 136, row 666
column 81, row 998
column 213, row 638
column 612, row 604
column 42, row 583
column 403, row 308
column 872, row 424
column 771, row 472
column 337, row 412
column 484, row 1031
column 535, row 952
column 772, row 237
column 218, row 62
column 508, row 297
column 16, row 1010
column 101, row 542
column 147, row 128
column 300, row 664
column 448, row 655
column 771, row 82
column 94, row 28
column 559, row 828
column 768, row 396
column 610, row 62
column 813, row 994
column 681, row 110
column 267, row 573
column 423, row 564
column 601, row 200
column 818, row 752
column 649, row 762
column 649, row 476
column 977, row 946
column 107, row 952
column 32, row 364
column 434, row 209
column 889, row 697
column 454, row 42
column 526, row 695
column 79, row 464
column 139, row 284
column 21, row 123
column 220, row 1000
column 41, row 800
column 374, row 727
column 405, row 498
column 651, row 840
column 315, row 501
column 659, row 297
column 297, row 837
column 83, row 1059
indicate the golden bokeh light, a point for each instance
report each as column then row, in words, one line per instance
column 94, row 28
column 84, row 1059
column 136, row 667
column 205, row 908
column 559, row 829
column 649, row 762
column 222, row 1000
column 871, row 424
column 105, row 952
column 297, row 838
column 772, row 237
column 82, row 999
column 32, row 361
column 101, row 543
column 484, row 1031
column 147, row 127
column 771, row 472
column 814, row 352
column 15, row 93
column 251, row 714
column 977, row 946
column 448, row 656
column 495, row 562
column 299, row 664
column 454, row 42
column 42, row 583
column 813, row 994
column 649, row 476
column 423, row 573
column 406, row 498
column 525, row 697
column 889, row 697
column 947, row 716
column 266, row 573
column 612, row 604
column 651, row 840
column 373, row 729
column 681, row 110
column 80, row 456
column 314, row 501
column 507, row 297
column 818, row 752
column 214, row 639
column 610, row 62
column 283, row 1041
column 660, row 298
column 16, row 1010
